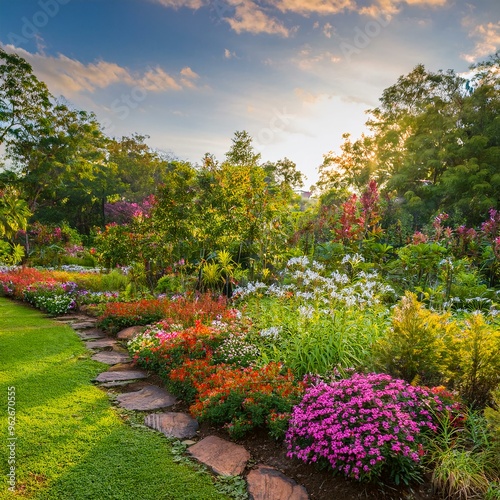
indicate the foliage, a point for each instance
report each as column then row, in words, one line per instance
column 24, row 100
column 478, row 371
column 492, row 416
column 14, row 214
column 364, row 426
column 463, row 459
column 419, row 345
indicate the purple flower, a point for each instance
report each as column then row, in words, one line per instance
column 358, row 424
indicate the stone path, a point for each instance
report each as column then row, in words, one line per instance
column 221, row 456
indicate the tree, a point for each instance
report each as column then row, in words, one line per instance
column 63, row 171
column 24, row 100
column 140, row 170
column 242, row 152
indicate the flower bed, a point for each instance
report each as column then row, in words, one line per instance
column 184, row 310
column 365, row 426
column 53, row 298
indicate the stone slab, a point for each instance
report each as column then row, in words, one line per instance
column 173, row 424
column 83, row 325
column 130, row 332
column 149, row 398
column 120, row 376
column 267, row 483
column 223, row 457
column 71, row 319
column 110, row 358
column 100, row 344
column 92, row 334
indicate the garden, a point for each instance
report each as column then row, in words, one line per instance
column 358, row 330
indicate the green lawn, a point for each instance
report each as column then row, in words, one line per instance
column 71, row 443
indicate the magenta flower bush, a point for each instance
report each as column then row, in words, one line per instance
column 364, row 427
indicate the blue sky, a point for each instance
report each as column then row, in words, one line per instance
column 296, row 74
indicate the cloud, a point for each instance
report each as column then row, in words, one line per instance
column 487, row 39
column 255, row 16
column 249, row 17
column 306, row 58
column 389, row 8
column 228, row 54
column 305, row 96
column 188, row 77
column 70, row 77
column 307, row 7
column 327, row 30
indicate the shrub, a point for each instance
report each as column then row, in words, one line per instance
column 236, row 350
column 364, row 427
column 14, row 282
column 325, row 319
column 240, row 398
column 479, row 360
column 419, row 346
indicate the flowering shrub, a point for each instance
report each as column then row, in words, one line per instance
column 165, row 346
column 53, row 298
column 185, row 310
column 364, row 426
column 239, row 398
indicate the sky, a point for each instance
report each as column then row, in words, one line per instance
column 295, row 74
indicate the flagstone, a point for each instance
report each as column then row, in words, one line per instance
column 83, row 325
column 266, row 483
column 148, row 398
column 99, row 344
column 173, row 424
column 223, row 457
column 118, row 376
column 110, row 357
column 92, row 334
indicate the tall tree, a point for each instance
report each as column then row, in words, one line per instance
column 63, row 170
column 242, row 152
column 24, row 100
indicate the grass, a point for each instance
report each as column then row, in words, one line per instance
column 71, row 443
